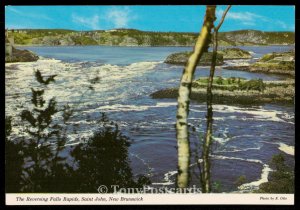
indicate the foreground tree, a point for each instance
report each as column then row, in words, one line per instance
column 205, row 173
column 45, row 169
column 38, row 163
column 13, row 160
column 184, row 97
column 103, row 160
column 281, row 179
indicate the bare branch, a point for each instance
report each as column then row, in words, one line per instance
column 205, row 172
column 223, row 17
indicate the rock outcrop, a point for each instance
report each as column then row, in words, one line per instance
column 235, row 53
column 277, row 63
column 21, row 56
column 182, row 57
column 274, row 63
column 277, row 92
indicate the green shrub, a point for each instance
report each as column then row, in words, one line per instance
column 267, row 57
column 38, row 163
column 104, row 160
column 13, row 160
column 254, row 84
column 219, row 80
column 217, row 186
column 83, row 40
column 281, row 180
column 241, row 180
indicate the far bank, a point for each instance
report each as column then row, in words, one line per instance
column 132, row 37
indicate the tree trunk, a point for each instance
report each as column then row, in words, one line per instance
column 205, row 174
column 184, row 98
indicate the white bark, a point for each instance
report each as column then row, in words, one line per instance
column 184, row 98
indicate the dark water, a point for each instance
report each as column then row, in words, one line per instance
column 245, row 138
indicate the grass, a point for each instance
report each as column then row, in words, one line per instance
column 222, row 81
column 232, row 84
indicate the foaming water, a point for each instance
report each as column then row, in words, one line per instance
column 287, row 149
column 244, row 138
column 248, row 187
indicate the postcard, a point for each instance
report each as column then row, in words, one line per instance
column 160, row 104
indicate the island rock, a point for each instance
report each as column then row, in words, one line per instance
column 235, row 53
column 278, row 63
column 182, row 57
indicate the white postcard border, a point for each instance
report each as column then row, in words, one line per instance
column 147, row 199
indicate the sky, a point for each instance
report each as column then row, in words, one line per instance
column 148, row 18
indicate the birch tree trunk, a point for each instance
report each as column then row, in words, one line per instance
column 184, row 98
column 205, row 174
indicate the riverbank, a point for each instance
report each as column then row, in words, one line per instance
column 133, row 37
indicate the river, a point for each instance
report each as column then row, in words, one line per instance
column 244, row 138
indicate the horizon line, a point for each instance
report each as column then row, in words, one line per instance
column 131, row 29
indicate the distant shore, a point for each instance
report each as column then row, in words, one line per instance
column 40, row 45
column 133, row 37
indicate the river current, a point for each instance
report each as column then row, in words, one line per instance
column 244, row 137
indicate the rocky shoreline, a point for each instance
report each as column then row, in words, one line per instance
column 258, row 69
column 21, row 56
column 276, row 92
column 273, row 63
